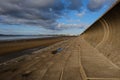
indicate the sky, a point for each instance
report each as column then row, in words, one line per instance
column 34, row 17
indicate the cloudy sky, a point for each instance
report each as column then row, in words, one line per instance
column 29, row 17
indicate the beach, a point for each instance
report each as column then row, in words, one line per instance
column 8, row 47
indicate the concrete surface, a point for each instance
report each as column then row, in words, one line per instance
column 104, row 35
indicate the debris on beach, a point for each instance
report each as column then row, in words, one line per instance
column 57, row 51
column 26, row 73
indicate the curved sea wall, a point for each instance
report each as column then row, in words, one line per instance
column 104, row 35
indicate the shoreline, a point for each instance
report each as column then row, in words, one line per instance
column 8, row 47
column 13, row 55
column 42, row 38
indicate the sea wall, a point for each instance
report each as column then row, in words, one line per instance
column 104, row 35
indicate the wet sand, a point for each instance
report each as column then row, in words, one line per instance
column 20, row 45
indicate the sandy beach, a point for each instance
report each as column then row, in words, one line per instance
column 19, row 45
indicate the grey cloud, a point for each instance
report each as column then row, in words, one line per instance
column 62, row 26
column 95, row 5
column 32, row 12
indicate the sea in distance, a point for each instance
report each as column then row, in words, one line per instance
column 21, row 37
